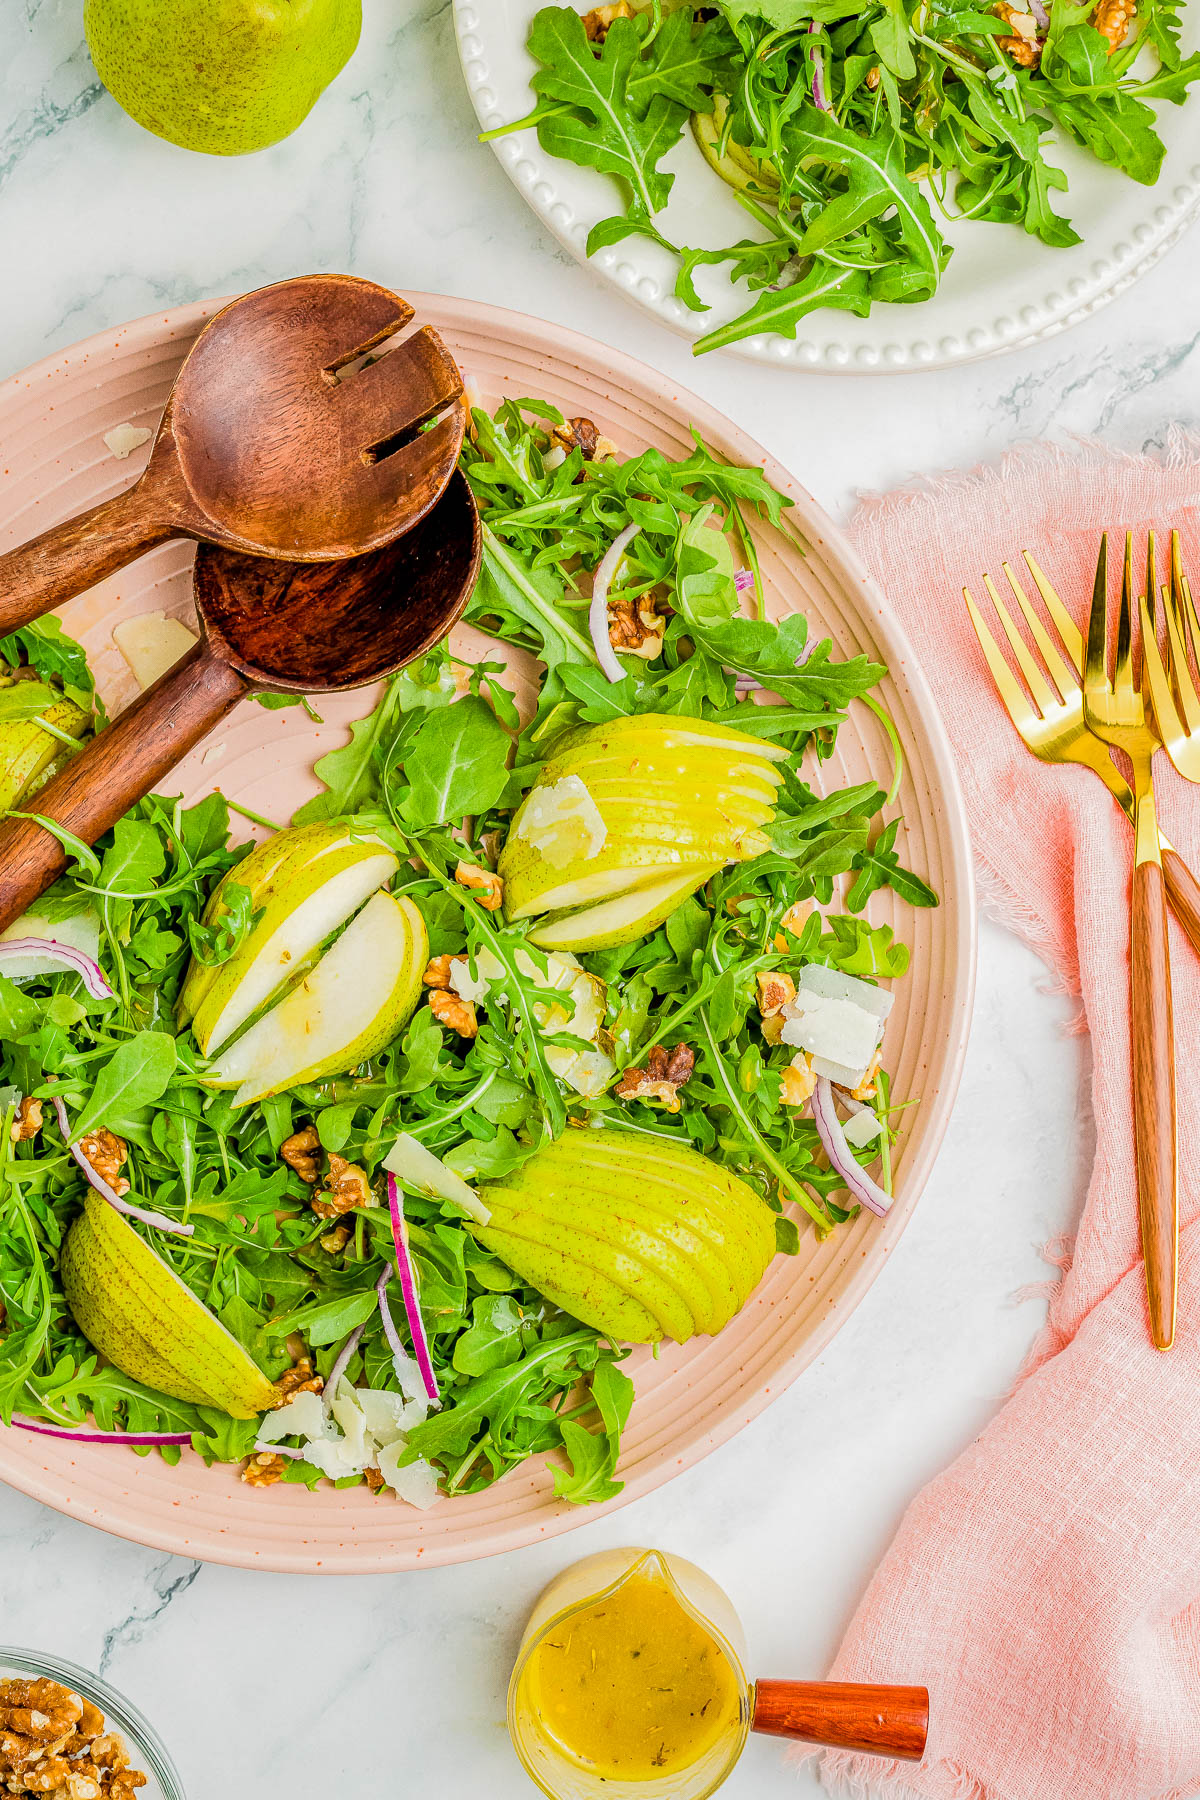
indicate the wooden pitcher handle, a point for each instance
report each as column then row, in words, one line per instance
column 124, row 762
column 846, row 1715
column 1154, row 1097
column 51, row 569
column 1183, row 895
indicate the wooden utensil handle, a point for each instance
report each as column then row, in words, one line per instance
column 50, row 569
column 846, row 1715
column 127, row 760
column 1183, row 895
column 1154, row 1097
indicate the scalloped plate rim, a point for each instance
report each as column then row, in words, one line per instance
column 551, row 188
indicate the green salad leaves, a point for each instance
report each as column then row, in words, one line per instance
column 846, row 129
column 436, row 769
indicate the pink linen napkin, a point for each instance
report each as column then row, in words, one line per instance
column 1047, row 1585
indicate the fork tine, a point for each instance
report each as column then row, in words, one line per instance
column 1181, row 675
column 1123, row 669
column 1151, row 587
column 1011, row 692
column 1066, row 680
column 1181, row 586
column 1039, row 687
column 1061, row 619
column 1095, row 669
column 1169, row 726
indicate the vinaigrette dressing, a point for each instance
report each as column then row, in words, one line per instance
column 634, row 1688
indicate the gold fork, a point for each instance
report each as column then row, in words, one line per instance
column 1053, row 727
column 1172, row 690
column 1114, row 708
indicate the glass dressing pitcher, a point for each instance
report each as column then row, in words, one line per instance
column 558, row 1661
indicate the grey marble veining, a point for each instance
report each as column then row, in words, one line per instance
column 393, row 1685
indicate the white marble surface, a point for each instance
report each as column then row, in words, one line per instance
column 288, row 1686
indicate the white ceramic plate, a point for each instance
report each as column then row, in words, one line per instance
column 1002, row 288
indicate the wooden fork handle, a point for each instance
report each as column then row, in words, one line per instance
column 1154, row 1097
column 846, row 1715
column 124, row 762
column 1183, row 895
column 50, row 569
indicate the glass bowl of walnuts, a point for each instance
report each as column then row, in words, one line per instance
column 67, row 1735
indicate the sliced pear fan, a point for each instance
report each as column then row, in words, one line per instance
column 347, row 1009
column 306, row 882
column 610, row 923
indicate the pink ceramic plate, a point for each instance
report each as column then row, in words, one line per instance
column 53, row 462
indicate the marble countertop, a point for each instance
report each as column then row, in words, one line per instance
column 376, row 1685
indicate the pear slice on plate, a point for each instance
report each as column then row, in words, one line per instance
column 133, row 1308
column 348, row 1008
column 306, row 882
column 610, row 923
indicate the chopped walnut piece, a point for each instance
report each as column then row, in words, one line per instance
column 581, row 434
column 597, row 22
column 301, row 1378
column 636, row 627
column 346, row 1186
column 437, row 972
column 42, row 1711
column 106, row 1152
column 28, row 1120
column 299, row 1153
column 458, row 1014
column 775, row 990
column 264, row 1469
column 873, row 78
column 335, row 1241
column 772, row 1028
column 375, row 1480
column 799, row 1083
column 1024, row 47
column 52, row 1742
column 659, row 1082
column 1112, row 19
column 485, row 881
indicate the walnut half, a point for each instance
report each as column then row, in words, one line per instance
column 659, row 1082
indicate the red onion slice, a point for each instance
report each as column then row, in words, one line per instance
column 820, row 97
column 408, row 1288
column 840, row 1155
column 158, row 1221
column 598, row 610
column 84, row 1436
column 1040, row 14
column 744, row 582
column 339, row 1368
column 90, row 972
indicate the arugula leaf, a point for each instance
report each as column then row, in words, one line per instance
column 456, row 764
column 135, row 1075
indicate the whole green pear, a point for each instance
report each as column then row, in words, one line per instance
column 222, row 76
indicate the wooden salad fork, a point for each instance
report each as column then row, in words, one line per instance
column 1114, row 708
column 1053, row 727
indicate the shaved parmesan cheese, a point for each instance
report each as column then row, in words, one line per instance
column 418, row 1483
column 839, row 1020
column 124, row 438
column 420, row 1168
column 581, row 1014
column 837, row 1030
column 862, row 1129
column 563, row 822
column 364, row 1428
column 151, row 644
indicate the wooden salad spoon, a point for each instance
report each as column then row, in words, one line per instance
column 277, row 441
column 266, row 627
